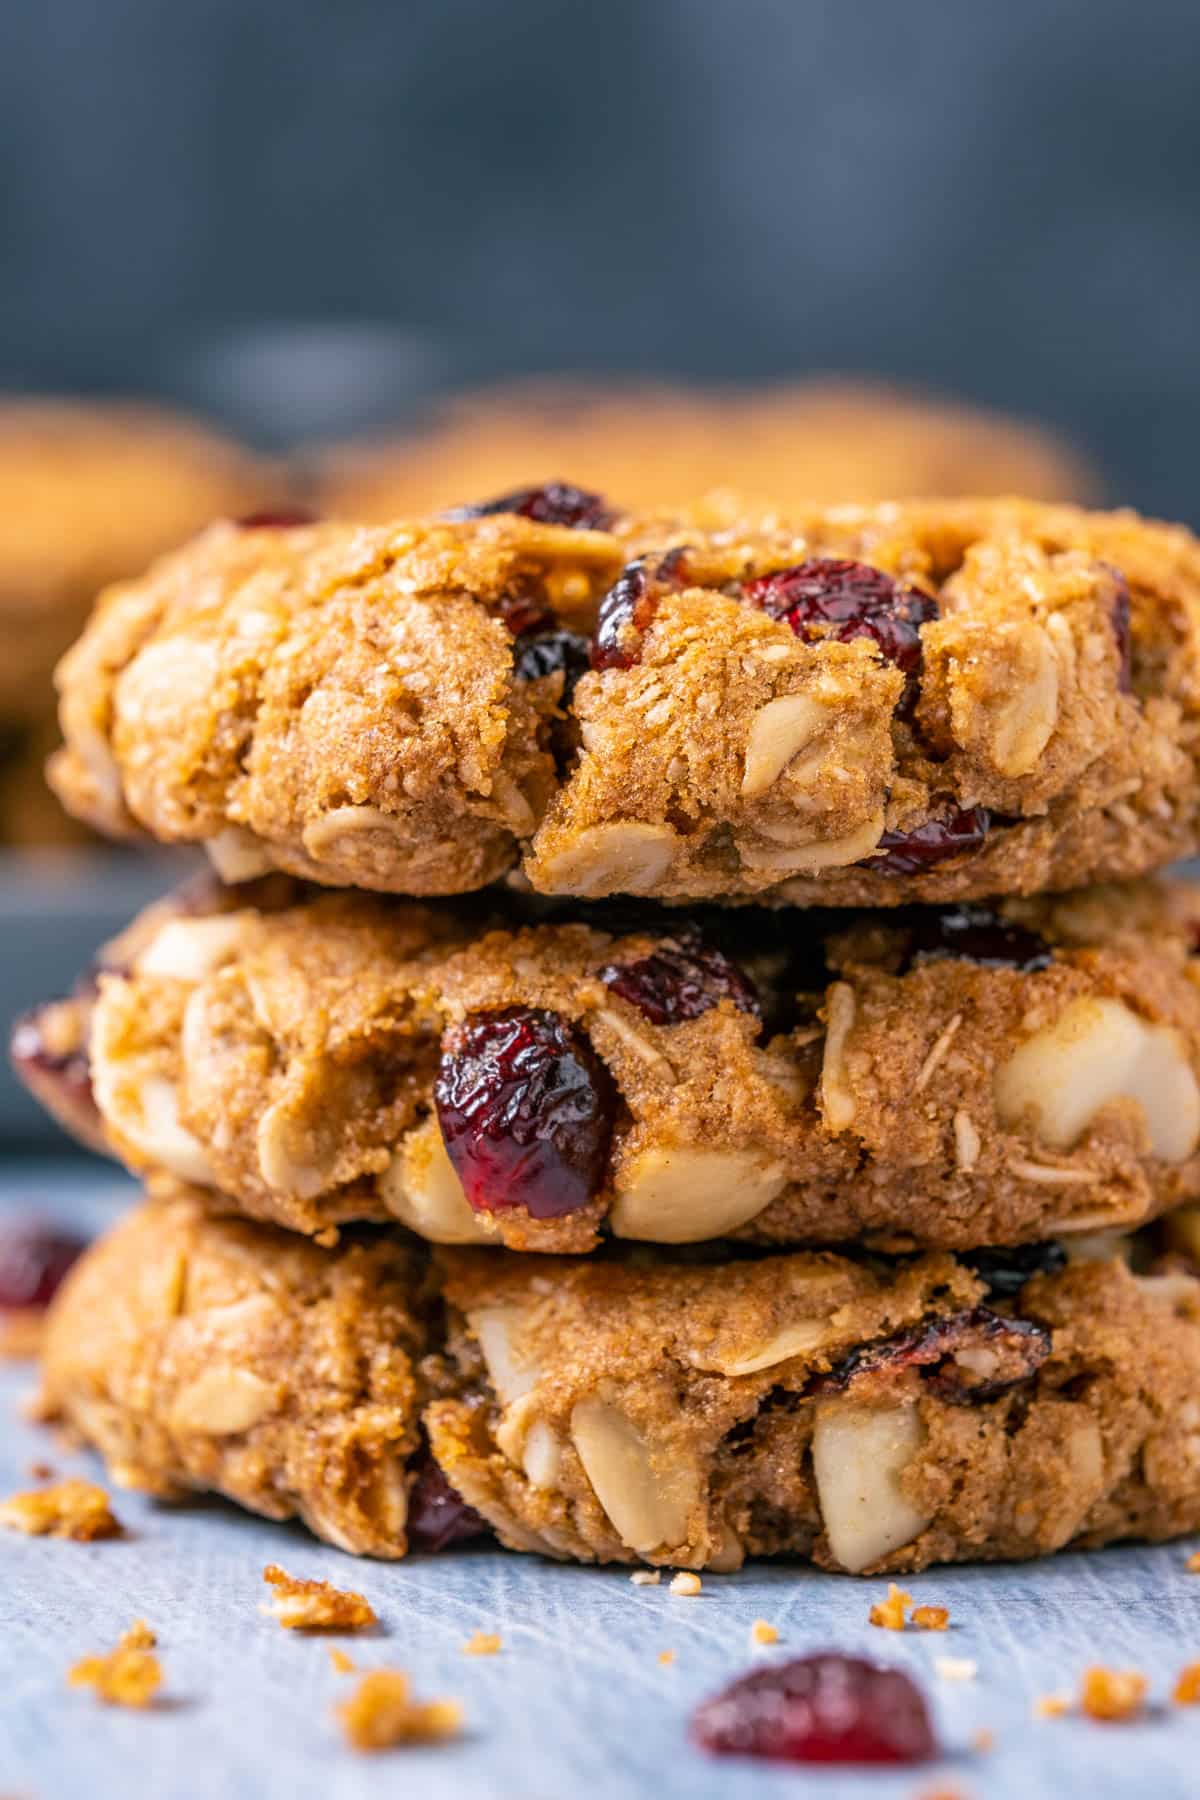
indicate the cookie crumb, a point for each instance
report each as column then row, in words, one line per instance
column 931, row 1618
column 1051, row 1706
column 70, row 1509
column 315, row 1605
column 126, row 1676
column 761, row 1632
column 983, row 1740
column 665, row 1657
column 22, row 1331
column 956, row 1668
column 381, row 1713
column 685, row 1583
column 646, row 1577
column 1186, row 1691
column 891, row 1613
column 1112, row 1693
column 342, row 1664
column 483, row 1643
column 1192, row 1565
column 41, row 1471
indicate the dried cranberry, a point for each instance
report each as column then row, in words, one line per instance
column 681, row 979
column 524, row 613
column 828, row 598
column 550, row 653
column 963, row 1357
column 1006, row 1271
column 975, row 934
column 437, row 1515
column 526, row 1111
column 1122, row 630
column 553, row 503
column 630, row 604
column 277, row 518
column 34, row 1257
column 912, row 852
column 824, row 1708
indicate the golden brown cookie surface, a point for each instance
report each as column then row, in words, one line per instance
column 939, row 1077
column 936, row 701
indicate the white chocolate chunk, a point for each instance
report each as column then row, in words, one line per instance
column 237, row 855
column 222, row 1402
column 858, row 1458
column 493, row 1328
column 189, row 949
column 145, row 1113
column 649, row 1505
column 1096, row 1052
column 629, row 858
column 684, row 1195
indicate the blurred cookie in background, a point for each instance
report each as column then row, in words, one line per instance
column 821, row 441
column 89, row 492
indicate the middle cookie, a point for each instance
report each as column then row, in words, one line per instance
column 934, row 1078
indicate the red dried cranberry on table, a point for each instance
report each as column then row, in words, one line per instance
column 824, row 1708
column 34, row 1258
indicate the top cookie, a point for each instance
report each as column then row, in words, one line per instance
column 89, row 493
column 812, row 443
column 932, row 701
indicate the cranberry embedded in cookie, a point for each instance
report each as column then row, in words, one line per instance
column 953, row 833
column 681, row 980
column 553, row 503
column 831, row 598
column 526, row 1112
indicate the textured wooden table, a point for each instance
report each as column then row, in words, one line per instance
column 577, row 1702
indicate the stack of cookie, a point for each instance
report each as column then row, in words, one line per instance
column 657, row 1079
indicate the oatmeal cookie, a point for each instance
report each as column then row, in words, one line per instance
column 942, row 1077
column 801, row 444
column 869, row 1417
column 198, row 1353
column 934, row 701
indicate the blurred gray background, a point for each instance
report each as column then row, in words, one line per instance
column 999, row 200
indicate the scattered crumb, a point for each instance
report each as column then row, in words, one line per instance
column 763, row 1633
column 126, row 1676
column 931, row 1618
column 342, row 1664
column 22, row 1329
column 941, row 1794
column 41, row 1471
column 71, row 1509
column 1051, row 1706
column 483, row 1643
column 686, row 1583
column 983, row 1740
column 891, row 1613
column 666, row 1656
column 1192, row 1565
column 646, row 1577
column 381, row 1712
column 956, row 1668
column 1112, row 1693
column 315, row 1605
column 1187, row 1689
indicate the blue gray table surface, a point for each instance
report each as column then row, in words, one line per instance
column 576, row 1702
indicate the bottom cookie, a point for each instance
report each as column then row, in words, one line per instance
column 867, row 1415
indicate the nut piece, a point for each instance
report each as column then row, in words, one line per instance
column 778, row 732
column 189, row 949
column 344, row 822
column 1022, row 723
column 826, row 853
column 237, row 855
column 542, row 1455
column 683, row 1195
column 493, row 1327
column 611, row 859
column 221, row 1403
column 858, row 1458
column 837, row 1099
column 420, row 1187
column 1096, row 1052
column 649, row 1505
column 146, row 1115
